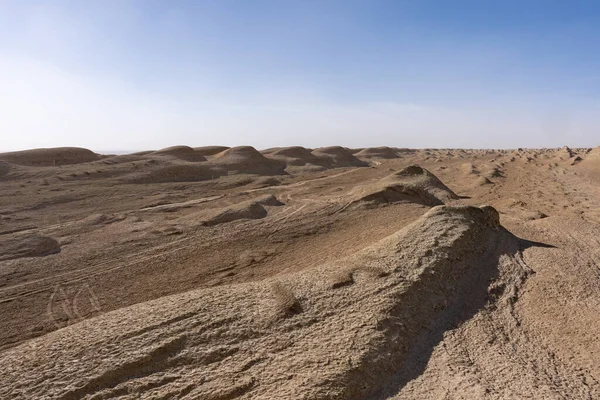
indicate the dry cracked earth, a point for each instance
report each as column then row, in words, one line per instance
column 221, row 273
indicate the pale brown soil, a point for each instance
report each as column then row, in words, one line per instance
column 291, row 273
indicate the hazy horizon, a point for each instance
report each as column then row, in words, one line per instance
column 139, row 75
column 122, row 152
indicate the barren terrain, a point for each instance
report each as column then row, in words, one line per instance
column 290, row 273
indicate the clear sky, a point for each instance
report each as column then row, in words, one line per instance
column 133, row 75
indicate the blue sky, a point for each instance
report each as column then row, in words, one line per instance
column 133, row 75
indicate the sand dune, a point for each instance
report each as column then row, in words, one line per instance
column 247, row 160
column 143, row 153
column 124, row 158
column 412, row 184
column 181, row 152
column 337, row 156
column 298, row 159
column 50, row 157
column 210, row 150
column 294, row 155
column 377, row 152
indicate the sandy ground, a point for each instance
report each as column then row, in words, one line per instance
column 292, row 273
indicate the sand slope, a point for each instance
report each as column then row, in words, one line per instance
column 412, row 183
column 356, row 332
column 139, row 276
column 210, row 150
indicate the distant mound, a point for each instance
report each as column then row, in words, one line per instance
column 181, row 152
column 412, row 184
column 359, row 316
column 174, row 173
column 296, row 152
column 336, row 156
column 296, row 156
column 210, row 150
column 377, row 152
column 123, row 158
column 247, row 160
column 29, row 245
column 354, row 151
column 50, row 157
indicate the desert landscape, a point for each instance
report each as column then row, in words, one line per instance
column 291, row 273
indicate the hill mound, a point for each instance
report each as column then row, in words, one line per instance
column 412, row 184
column 123, row 158
column 337, row 156
column 377, row 152
column 210, row 150
column 181, row 152
column 297, row 156
column 403, row 150
column 50, row 157
column 298, row 152
column 343, row 330
column 355, row 150
column 247, row 160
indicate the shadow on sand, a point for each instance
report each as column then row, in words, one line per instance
column 471, row 296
